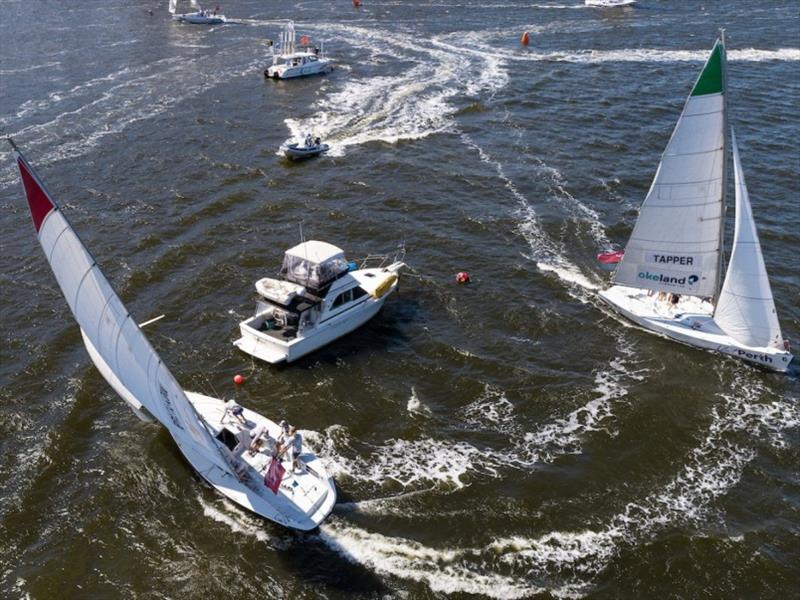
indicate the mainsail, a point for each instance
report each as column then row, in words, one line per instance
column 746, row 310
column 676, row 243
column 115, row 343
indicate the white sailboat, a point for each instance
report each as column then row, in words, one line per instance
column 212, row 443
column 670, row 278
column 296, row 60
column 319, row 297
column 199, row 17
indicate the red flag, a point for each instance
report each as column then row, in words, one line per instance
column 274, row 475
column 305, row 40
column 611, row 258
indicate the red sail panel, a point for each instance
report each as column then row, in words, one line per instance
column 38, row 200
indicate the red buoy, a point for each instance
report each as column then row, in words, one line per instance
column 462, row 277
column 238, row 379
column 525, row 39
column 357, row 3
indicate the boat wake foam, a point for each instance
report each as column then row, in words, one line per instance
column 568, row 562
column 408, row 106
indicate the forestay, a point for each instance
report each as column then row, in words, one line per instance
column 746, row 310
column 114, row 340
column 676, row 242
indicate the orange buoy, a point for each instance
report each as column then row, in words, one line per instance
column 357, row 3
column 525, row 39
column 462, row 277
column 238, row 379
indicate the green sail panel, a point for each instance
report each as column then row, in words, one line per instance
column 710, row 80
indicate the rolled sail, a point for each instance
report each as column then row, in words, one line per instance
column 676, row 242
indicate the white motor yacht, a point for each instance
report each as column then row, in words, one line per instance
column 199, row 17
column 296, row 59
column 317, row 298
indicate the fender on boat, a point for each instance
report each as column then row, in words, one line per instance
column 384, row 286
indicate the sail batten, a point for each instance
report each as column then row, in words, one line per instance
column 676, row 242
column 746, row 309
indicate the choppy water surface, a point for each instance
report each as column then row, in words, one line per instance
column 509, row 439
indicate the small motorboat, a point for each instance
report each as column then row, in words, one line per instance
column 296, row 59
column 318, row 297
column 311, row 147
column 200, row 17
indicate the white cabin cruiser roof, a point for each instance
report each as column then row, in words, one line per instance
column 315, row 251
column 313, row 264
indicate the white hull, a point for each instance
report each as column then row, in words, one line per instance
column 691, row 322
column 609, row 3
column 319, row 67
column 304, row 498
column 272, row 350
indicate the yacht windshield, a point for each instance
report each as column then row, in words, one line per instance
column 315, row 275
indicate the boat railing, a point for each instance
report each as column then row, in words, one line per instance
column 378, row 261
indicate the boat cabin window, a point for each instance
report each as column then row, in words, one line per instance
column 348, row 296
column 227, row 437
column 312, row 274
column 343, row 298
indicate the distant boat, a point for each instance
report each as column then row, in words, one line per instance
column 609, row 3
column 318, row 298
column 199, row 17
column 296, row 59
column 669, row 279
column 212, row 444
column 311, row 147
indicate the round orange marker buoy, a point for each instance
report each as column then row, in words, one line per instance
column 525, row 39
column 462, row 277
column 238, row 379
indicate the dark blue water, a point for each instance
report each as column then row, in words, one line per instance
column 507, row 439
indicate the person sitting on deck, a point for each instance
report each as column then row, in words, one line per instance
column 236, row 411
column 262, row 439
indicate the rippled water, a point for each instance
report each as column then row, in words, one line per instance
column 507, row 439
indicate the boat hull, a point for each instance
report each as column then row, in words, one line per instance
column 690, row 322
column 279, row 72
column 196, row 19
column 304, row 500
column 295, row 152
column 272, row 350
